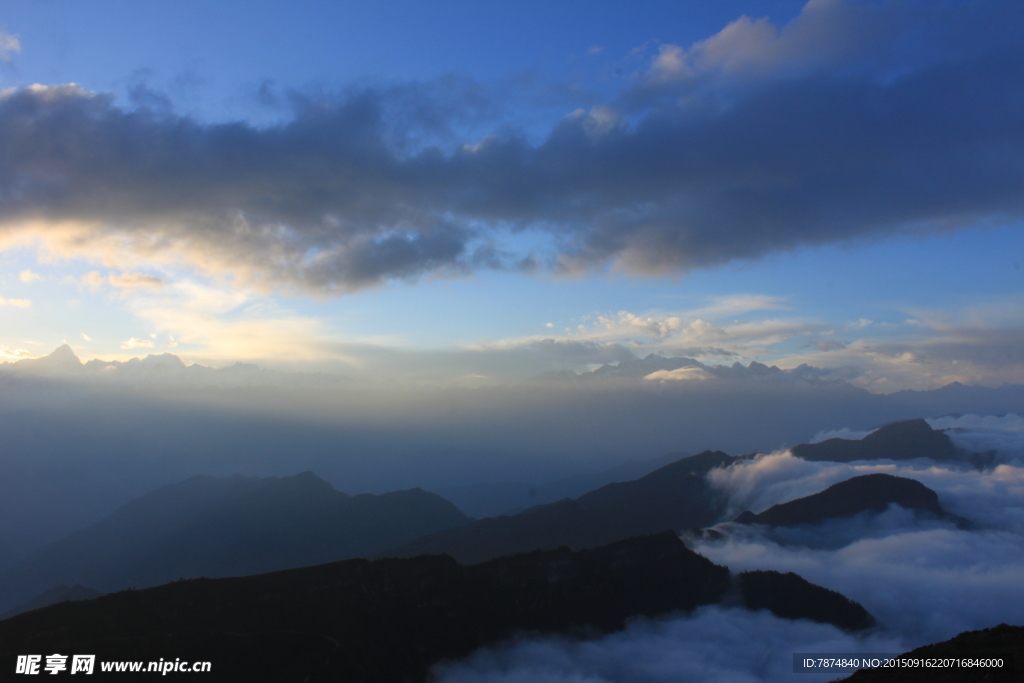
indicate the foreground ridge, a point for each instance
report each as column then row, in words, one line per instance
column 383, row 620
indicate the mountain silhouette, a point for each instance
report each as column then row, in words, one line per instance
column 61, row 360
column 793, row 597
column 673, row 497
column 386, row 620
column 53, row 596
column 489, row 499
column 870, row 492
column 206, row 526
column 896, row 441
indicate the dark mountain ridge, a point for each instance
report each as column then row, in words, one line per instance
column 392, row 619
column 490, row 499
column 673, row 497
column 869, row 492
column 1003, row 642
column 55, row 595
column 791, row 596
column 896, row 441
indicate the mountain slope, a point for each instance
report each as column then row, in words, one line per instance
column 673, row 497
column 226, row 527
column 870, row 492
column 489, row 499
column 896, row 441
column 53, row 596
column 1003, row 642
column 792, row 597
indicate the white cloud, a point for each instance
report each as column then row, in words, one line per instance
column 925, row 585
column 712, row 645
column 738, row 303
column 923, row 581
column 627, row 324
column 9, row 354
column 824, row 33
column 18, row 303
column 1003, row 434
column 28, row 276
column 131, row 280
column 136, row 343
column 86, row 337
column 680, row 375
column 227, row 324
column 92, row 279
column 10, row 45
column 923, row 356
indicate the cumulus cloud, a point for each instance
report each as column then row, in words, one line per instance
column 825, row 34
column 18, row 303
column 28, row 276
column 836, row 134
column 627, row 324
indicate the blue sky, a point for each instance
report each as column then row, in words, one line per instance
column 436, row 191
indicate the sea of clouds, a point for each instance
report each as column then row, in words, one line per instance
column 923, row 580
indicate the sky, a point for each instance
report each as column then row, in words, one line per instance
column 459, row 193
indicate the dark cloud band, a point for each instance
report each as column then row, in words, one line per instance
column 339, row 199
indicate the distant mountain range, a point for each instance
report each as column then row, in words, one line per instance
column 213, row 527
column 391, row 620
column 679, row 497
column 206, row 526
column 164, row 368
column 657, row 367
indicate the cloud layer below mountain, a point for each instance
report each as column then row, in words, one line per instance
column 924, row 581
